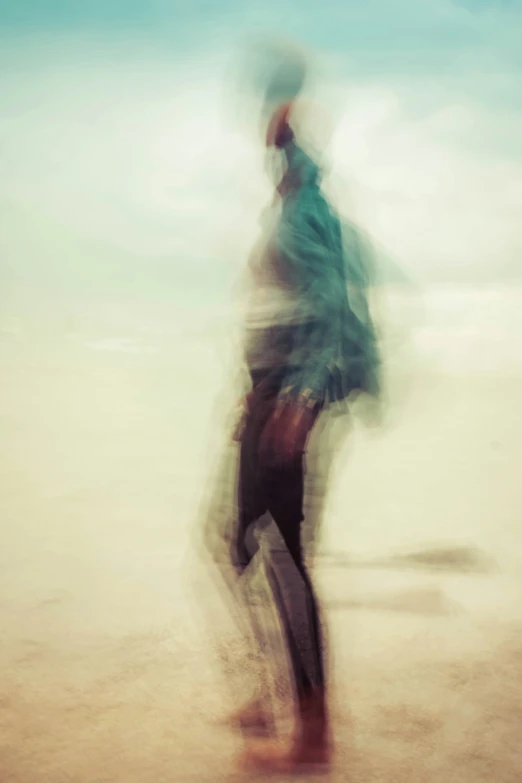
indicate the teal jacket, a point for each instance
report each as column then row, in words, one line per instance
column 334, row 352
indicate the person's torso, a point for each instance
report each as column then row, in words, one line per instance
column 275, row 307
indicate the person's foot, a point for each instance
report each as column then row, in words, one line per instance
column 253, row 717
column 310, row 746
column 286, row 757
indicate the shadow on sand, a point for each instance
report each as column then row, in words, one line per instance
column 453, row 560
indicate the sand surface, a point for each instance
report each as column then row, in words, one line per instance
column 108, row 668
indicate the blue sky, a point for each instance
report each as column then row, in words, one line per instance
column 376, row 34
column 114, row 124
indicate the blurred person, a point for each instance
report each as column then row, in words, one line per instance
column 309, row 346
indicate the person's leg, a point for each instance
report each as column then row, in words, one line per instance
column 242, row 546
column 298, row 609
column 285, row 502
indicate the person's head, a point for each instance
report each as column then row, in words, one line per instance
column 278, row 130
column 278, row 73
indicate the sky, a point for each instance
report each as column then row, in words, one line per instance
column 125, row 157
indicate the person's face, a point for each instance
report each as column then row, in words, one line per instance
column 274, row 120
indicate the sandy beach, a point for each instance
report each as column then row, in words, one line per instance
column 109, row 670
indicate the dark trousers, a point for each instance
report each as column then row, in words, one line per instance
column 264, row 487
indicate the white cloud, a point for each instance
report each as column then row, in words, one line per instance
column 141, row 154
column 447, row 207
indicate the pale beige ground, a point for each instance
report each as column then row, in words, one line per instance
column 108, row 671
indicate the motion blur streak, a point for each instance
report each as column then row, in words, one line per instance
column 132, row 179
